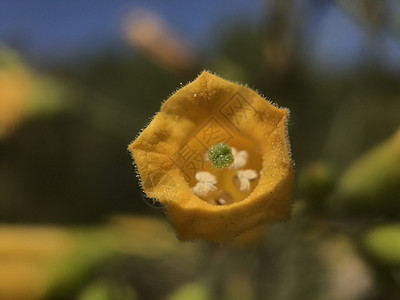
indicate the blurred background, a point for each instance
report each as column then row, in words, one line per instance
column 80, row 79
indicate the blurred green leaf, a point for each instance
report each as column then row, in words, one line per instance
column 316, row 182
column 371, row 184
column 192, row 291
column 383, row 243
column 104, row 290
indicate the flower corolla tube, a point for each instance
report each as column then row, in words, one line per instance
column 217, row 157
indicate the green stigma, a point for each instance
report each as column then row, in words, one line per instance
column 220, row 155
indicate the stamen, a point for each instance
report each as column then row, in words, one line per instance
column 240, row 158
column 224, row 198
column 206, row 184
column 202, row 189
column 243, row 178
column 205, row 177
column 221, row 201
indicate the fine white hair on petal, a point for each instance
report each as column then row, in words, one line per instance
column 245, row 176
column 206, row 177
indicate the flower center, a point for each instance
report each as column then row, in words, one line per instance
column 220, row 155
column 229, row 175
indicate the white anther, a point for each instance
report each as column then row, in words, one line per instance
column 205, row 177
column 245, row 176
column 240, row 158
column 221, row 201
column 202, row 189
column 206, row 184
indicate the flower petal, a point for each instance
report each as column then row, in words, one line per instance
column 170, row 151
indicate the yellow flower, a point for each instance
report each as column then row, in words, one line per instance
column 203, row 201
column 15, row 91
